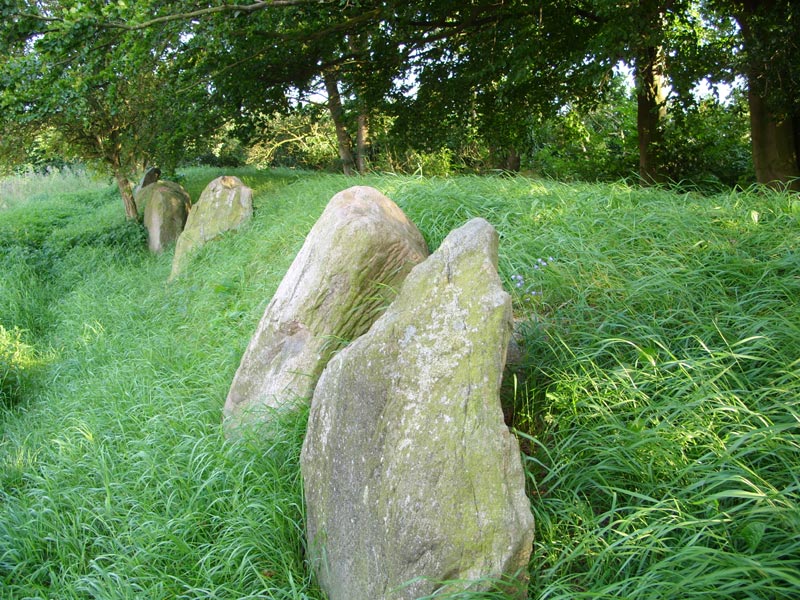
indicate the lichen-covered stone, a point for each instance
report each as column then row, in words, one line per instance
column 167, row 206
column 347, row 271
column 411, row 477
column 225, row 204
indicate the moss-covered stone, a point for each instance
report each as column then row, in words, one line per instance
column 225, row 204
column 348, row 270
column 411, row 477
column 166, row 208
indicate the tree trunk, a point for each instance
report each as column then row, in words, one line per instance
column 337, row 114
column 774, row 143
column 357, row 45
column 124, row 186
column 362, row 142
column 774, row 135
column 513, row 161
column 651, row 110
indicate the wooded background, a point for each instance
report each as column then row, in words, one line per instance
column 594, row 89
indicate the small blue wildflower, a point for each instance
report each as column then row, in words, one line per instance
column 527, row 293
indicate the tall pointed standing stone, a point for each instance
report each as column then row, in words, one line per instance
column 411, row 476
column 353, row 260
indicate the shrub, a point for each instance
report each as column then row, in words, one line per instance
column 709, row 145
column 305, row 139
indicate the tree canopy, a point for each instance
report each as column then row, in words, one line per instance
column 129, row 83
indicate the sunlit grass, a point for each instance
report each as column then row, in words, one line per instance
column 657, row 407
column 17, row 359
column 23, row 187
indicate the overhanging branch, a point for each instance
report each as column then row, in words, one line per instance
column 234, row 8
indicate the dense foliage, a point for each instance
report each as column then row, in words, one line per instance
column 474, row 86
column 657, row 405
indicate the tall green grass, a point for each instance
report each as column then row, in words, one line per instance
column 23, row 187
column 657, row 406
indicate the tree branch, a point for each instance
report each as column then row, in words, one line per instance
column 235, row 8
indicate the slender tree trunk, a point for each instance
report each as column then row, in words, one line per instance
column 362, row 142
column 513, row 161
column 111, row 151
column 124, row 186
column 651, row 110
column 337, row 114
column 357, row 45
column 127, row 196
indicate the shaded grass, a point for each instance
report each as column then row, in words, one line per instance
column 658, row 406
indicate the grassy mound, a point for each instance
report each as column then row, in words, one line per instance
column 658, row 406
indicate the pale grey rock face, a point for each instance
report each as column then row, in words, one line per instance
column 167, row 206
column 411, row 477
column 348, row 270
column 225, row 204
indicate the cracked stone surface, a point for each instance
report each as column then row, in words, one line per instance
column 411, row 476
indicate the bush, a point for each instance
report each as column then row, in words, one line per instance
column 303, row 139
column 597, row 144
column 709, row 145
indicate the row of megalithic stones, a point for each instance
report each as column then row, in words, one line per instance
column 169, row 216
column 413, row 483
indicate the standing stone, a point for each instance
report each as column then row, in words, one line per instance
column 225, row 204
column 411, row 477
column 354, row 258
column 167, row 206
column 152, row 175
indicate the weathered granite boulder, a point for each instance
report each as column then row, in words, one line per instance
column 411, row 477
column 225, row 204
column 354, row 258
column 167, row 205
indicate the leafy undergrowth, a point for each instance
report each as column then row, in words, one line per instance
column 657, row 408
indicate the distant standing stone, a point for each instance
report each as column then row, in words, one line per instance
column 348, row 270
column 411, row 477
column 225, row 204
column 167, row 206
column 152, row 175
